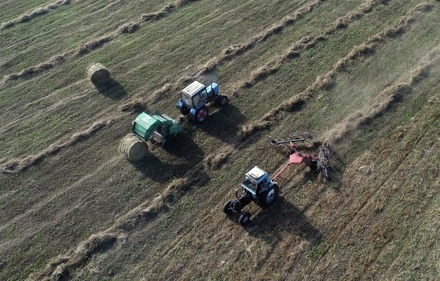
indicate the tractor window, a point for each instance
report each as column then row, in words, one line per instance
column 250, row 182
column 187, row 100
column 204, row 95
column 197, row 100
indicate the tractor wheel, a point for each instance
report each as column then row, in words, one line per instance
column 167, row 143
column 222, row 100
column 227, row 207
column 184, row 110
column 133, row 148
column 269, row 196
column 201, row 114
column 244, row 218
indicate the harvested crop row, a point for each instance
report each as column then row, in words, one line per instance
column 303, row 43
column 146, row 211
column 92, row 45
column 25, row 162
column 33, row 14
column 324, row 81
column 385, row 99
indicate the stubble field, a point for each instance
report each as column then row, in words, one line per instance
column 361, row 74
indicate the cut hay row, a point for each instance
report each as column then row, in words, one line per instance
column 42, row 205
column 326, row 80
column 304, row 43
column 379, row 197
column 33, row 14
column 238, row 49
column 25, row 162
column 24, row 116
column 231, row 52
column 90, row 46
column 63, row 266
column 385, row 99
column 144, row 212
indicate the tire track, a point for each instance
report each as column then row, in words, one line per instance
column 33, row 14
column 326, row 80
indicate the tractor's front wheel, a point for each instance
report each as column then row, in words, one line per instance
column 244, row 218
column 222, row 100
column 201, row 114
column 227, row 207
column 269, row 196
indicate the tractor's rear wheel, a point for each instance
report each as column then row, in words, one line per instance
column 244, row 218
column 133, row 148
column 269, row 196
column 227, row 207
column 201, row 114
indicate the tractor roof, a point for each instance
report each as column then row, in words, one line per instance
column 256, row 173
column 193, row 88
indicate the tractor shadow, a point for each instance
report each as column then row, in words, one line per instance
column 223, row 123
column 161, row 165
column 272, row 223
column 155, row 169
column 184, row 147
column 111, row 89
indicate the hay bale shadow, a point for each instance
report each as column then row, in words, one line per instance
column 111, row 89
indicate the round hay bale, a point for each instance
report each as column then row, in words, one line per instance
column 98, row 74
column 133, row 148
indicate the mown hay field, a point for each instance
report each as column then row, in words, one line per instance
column 362, row 74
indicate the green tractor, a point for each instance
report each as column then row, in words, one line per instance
column 154, row 127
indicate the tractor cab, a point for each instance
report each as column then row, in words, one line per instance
column 254, row 181
column 194, row 95
column 256, row 186
column 193, row 99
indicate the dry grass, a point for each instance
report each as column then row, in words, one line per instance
column 33, row 14
column 27, row 161
column 164, row 221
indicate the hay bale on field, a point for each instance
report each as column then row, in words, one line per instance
column 133, row 148
column 98, row 74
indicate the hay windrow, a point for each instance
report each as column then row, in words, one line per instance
column 238, row 49
column 33, row 14
column 215, row 161
column 25, row 162
column 385, row 100
column 159, row 14
column 64, row 266
column 326, row 80
column 85, row 48
column 51, row 63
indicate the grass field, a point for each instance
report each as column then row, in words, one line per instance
column 362, row 74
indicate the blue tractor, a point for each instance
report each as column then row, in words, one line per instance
column 256, row 186
column 195, row 96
